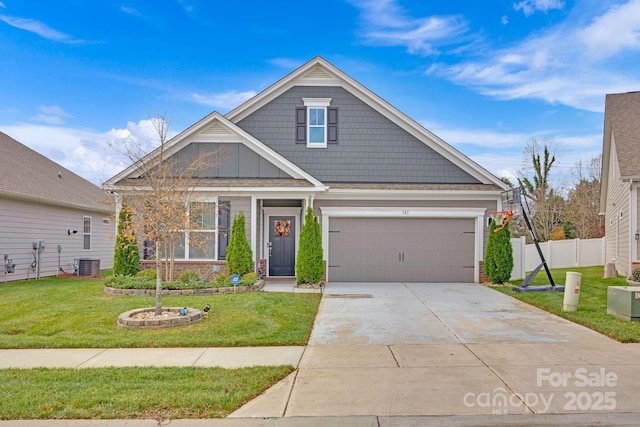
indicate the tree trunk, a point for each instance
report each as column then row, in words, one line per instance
column 158, row 282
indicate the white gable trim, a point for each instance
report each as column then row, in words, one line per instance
column 216, row 128
column 319, row 72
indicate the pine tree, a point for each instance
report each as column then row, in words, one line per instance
column 239, row 254
column 498, row 260
column 126, row 259
column 309, row 262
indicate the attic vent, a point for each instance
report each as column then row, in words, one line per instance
column 216, row 129
column 317, row 73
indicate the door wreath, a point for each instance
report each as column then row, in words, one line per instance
column 282, row 228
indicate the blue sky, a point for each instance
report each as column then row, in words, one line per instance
column 77, row 78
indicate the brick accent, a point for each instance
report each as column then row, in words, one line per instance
column 483, row 276
column 262, row 268
column 204, row 268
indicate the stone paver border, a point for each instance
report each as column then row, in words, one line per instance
column 126, row 320
column 205, row 291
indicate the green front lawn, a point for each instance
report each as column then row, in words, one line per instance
column 592, row 308
column 140, row 392
column 76, row 313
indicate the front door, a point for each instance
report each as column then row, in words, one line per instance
column 282, row 245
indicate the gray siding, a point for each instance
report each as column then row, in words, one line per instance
column 370, row 147
column 235, row 161
column 617, row 217
column 239, row 204
column 22, row 223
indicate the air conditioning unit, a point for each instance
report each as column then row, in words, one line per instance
column 88, row 267
column 624, row 302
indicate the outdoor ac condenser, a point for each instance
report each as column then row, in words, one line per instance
column 624, row 302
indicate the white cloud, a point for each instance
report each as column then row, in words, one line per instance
column 130, row 11
column 288, row 63
column 504, row 20
column 564, row 64
column 224, row 101
column 613, row 32
column 529, row 7
column 95, row 156
column 2, row 5
column 51, row 114
column 386, row 23
column 39, row 28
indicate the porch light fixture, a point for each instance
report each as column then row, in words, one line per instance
column 70, row 232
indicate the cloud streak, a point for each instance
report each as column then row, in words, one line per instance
column 40, row 29
column 224, row 101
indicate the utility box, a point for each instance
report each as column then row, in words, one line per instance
column 624, row 302
column 88, row 267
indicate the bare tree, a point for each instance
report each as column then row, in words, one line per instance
column 583, row 204
column 162, row 197
column 545, row 202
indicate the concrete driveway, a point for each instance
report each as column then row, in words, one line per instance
column 406, row 349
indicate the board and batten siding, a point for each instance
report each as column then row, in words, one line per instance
column 617, row 217
column 22, row 223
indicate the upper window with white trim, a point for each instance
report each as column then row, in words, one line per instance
column 317, row 123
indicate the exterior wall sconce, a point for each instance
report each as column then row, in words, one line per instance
column 70, row 232
column 637, row 236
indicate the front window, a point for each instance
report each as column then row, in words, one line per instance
column 198, row 239
column 317, row 126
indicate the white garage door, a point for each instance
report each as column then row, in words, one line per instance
column 401, row 249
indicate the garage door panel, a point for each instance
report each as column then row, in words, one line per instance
column 402, row 249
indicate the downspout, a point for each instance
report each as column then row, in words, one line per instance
column 633, row 222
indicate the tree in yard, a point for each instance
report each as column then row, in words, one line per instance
column 309, row 262
column 583, row 205
column 126, row 259
column 162, row 198
column 498, row 259
column 239, row 254
column 547, row 206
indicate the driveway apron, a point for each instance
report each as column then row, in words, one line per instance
column 404, row 349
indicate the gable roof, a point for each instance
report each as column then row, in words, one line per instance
column 319, row 72
column 217, row 128
column 28, row 175
column 622, row 125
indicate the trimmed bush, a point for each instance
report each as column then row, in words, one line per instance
column 189, row 276
column 635, row 275
column 309, row 262
column 498, row 260
column 239, row 254
column 147, row 273
column 126, row 257
column 249, row 276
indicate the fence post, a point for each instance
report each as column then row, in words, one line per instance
column 577, row 249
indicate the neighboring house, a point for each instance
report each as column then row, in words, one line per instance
column 49, row 216
column 620, row 177
column 394, row 201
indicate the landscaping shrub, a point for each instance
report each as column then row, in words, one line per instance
column 222, row 279
column 239, row 254
column 635, row 275
column 309, row 263
column 498, row 260
column 126, row 257
column 249, row 276
column 151, row 274
column 189, row 276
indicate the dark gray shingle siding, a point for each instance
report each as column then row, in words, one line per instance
column 371, row 148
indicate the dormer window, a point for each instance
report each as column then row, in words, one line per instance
column 316, row 123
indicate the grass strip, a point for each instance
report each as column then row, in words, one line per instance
column 592, row 307
column 131, row 393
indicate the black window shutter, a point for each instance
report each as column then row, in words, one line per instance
column 332, row 123
column 301, row 125
column 224, row 230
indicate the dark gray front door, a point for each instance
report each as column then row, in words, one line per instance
column 282, row 241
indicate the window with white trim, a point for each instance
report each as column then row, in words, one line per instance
column 86, row 233
column 316, row 123
column 198, row 239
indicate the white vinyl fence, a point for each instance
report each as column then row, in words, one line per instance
column 557, row 253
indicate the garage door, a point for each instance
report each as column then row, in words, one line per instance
column 401, row 249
